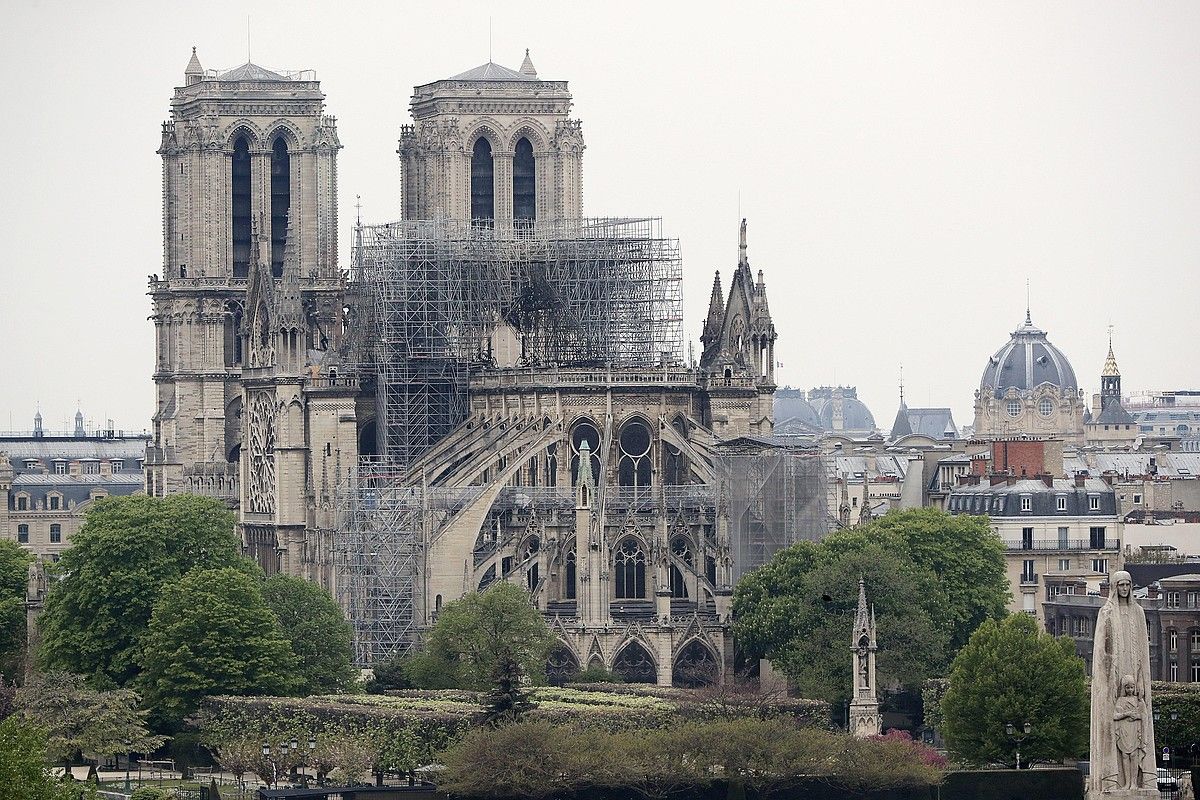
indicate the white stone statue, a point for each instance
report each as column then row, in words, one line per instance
column 1122, row 733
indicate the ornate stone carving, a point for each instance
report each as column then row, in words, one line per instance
column 260, row 484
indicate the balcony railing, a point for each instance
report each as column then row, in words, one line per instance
column 1062, row 544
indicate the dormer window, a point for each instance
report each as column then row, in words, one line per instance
column 116, row 465
column 1093, row 502
column 1061, row 502
column 32, row 463
column 1014, row 408
column 61, row 467
column 54, row 502
column 1026, row 502
column 22, row 502
column 91, row 467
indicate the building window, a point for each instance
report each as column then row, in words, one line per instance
column 569, row 589
column 1196, row 641
column 1137, row 499
column 55, row 534
column 54, row 501
column 60, row 467
column 1060, row 502
column 116, row 465
column 1054, row 590
column 1045, row 407
column 1064, row 536
column 1098, row 539
column 634, row 468
column 1083, row 626
column 240, row 207
column 1196, row 672
column 91, row 467
column 1064, row 564
column 1100, row 565
column 1174, row 671
column 1172, row 640
column 1193, row 599
column 1026, row 502
column 483, row 189
column 1027, row 574
column 630, row 568
column 1026, row 538
column 1014, row 408
column 32, row 463
column 281, row 201
column 1093, row 502
column 22, row 503
column 524, row 181
column 23, row 534
column 1172, row 599
column 585, row 431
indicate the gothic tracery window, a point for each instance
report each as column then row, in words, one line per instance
column 681, row 549
column 524, row 181
column 635, row 665
column 483, row 190
column 240, row 207
column 629, row 566
column 261, row 432
column 694, row 666
column 585, row 431
column 281, row 200
column 634, row 467
column 570, row 576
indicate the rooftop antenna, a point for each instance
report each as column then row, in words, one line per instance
column 1028, row 319
column 489, row 40
column 247, row 38
column 358, row 209
column 902, row 384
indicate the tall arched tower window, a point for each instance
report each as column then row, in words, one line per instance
column 524, row 181
column 240, row 205
column 483, row 190
column 281, row 201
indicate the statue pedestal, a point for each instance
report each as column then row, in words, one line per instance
column 1124, row 794
column 864, row 718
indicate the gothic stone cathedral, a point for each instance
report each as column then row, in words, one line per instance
column 591, row 477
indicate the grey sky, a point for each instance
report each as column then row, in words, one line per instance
column 903, row 167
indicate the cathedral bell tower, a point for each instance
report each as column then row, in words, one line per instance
column 243, row 151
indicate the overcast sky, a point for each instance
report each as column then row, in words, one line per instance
column 904, row 168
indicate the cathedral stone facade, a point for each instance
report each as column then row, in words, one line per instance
column 598, row 488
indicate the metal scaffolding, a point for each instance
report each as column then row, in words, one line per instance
column 590, row 291
column 777, row 497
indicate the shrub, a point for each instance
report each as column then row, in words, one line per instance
column 151, row 793
column 596, row 673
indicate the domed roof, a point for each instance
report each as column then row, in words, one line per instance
column 855, row 414
column 1028, row 360
column 790, row 408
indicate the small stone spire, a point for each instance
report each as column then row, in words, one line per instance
column 864, row 703
column 1110, row 363
column 79, row 432
column 290, row 311
column 527, row 65
column 742, row 258
column 37, row 423
column 864, row 513
column 194, row 72
column 716, row 312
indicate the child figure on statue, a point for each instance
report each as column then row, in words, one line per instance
column 1127, row 730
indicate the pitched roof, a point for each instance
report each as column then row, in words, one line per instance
column 250, row 72
column 492, row 72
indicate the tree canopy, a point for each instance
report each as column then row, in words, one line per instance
column 213, row 633
column 129, row 548
column 932, row 578
column 798, row 610
column 1010, row 672
column 475, row 633
column 76, row 717
column 14, row 565
column 319, row 634
column 23, row 771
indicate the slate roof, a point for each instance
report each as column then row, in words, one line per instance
column 1027, row 361
column 48, row 449
column 1002, row 500
column 936, row 423
column 492, row 71
column 250, row 72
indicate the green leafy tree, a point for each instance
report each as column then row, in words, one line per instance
column 478, row 631
column 1010, row 672
column 79, row 719
column 14, row 565
column 23, row 771
column 962, row 551
column 212, row 633
column 129, row 548
column 798, row 610
column 319, row 634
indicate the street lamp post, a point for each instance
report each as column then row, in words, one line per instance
column 266, row 751
column 128, row 744
column 1017, row 738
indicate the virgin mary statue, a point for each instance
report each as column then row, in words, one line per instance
column 1122, row 734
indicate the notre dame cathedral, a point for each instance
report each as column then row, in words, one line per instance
column 492, row 388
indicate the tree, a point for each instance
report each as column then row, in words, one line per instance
column 480, row 629
column 798, row 610
column 23, row 771
column 319, row 634
column 80, row 719
column 1010, row 672
column 962, row 551
column 14, row 565
column 212, row 633
column 128, row 549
